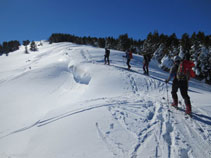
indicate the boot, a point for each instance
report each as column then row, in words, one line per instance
column 175, row 103
column 188, row 109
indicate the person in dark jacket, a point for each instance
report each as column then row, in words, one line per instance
column 147, row 58
column 181, row 84
column 129, row 56
column 106, row 56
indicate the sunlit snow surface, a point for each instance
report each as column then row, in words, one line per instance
column 63, row 102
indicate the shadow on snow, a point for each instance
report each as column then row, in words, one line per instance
column 199, row 117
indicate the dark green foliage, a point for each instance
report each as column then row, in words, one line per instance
column 59, row 37
column 111, row 43
column 207, row 41
column 195, row 43
column 1, row 50
column 124, row 42
column 170, row 44
column 6, row 48
column 101, row 42
column 201, row 37
column 173, row 41
column 9, row 47
column 26, row 43
column 33, row 46
column 185, row 42
column 152, row 43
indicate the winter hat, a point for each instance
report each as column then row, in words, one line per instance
column 187, row 56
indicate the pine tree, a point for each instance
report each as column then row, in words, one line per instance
column 101, row 42
column 201, row 37
column 124, row 42
column 1, row 50
column 111, row 43
column 185, row 43
column 6, row 48
column 194, row 42
column 151, row 45
column 207, row 41
column 33, row 46
column 26, row 43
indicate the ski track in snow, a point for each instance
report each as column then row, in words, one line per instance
column 140, row 115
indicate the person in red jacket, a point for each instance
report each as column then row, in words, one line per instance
column 181, row 72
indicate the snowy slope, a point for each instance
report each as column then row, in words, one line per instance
column 63, row 102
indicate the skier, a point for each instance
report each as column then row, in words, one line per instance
column 147, row 59
column 106, row 56
column 129, row 56
column 181, row 80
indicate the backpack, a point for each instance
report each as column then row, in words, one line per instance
column 130, row 55
column 185, row 71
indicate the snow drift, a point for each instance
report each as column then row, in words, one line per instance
column 62, row 101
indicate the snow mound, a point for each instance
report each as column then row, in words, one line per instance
column 80, row 73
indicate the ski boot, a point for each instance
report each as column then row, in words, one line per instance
column 175, row 104
column 188, row 110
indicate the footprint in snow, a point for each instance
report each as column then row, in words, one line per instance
column 112, row 126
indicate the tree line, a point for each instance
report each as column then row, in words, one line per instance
column 158, row 45
column 8, row 47
column 122, row 43
column 11, row 46
column 149, row 45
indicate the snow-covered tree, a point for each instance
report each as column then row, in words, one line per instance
column 26, row 43
column 166, row 63
column 159, row 53
column 204, row 64
column 33, row 46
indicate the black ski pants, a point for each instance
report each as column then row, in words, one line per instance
column 183, row 86
column 128, row 63
column 106, row 59
column 146, row 67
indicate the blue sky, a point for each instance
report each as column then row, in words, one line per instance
column 38, row 19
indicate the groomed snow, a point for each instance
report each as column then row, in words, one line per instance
column 63, row 102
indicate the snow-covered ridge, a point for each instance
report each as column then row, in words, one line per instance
column 62, row 101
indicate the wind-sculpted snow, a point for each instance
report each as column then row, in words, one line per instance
column 81, row 74
column 62, row 101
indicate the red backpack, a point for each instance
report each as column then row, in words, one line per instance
column 130, row 55
column 185, row 71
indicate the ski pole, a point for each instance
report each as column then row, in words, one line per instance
column 123, row 61
column 167, row 94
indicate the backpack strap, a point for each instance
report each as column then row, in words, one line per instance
column 181, row 72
